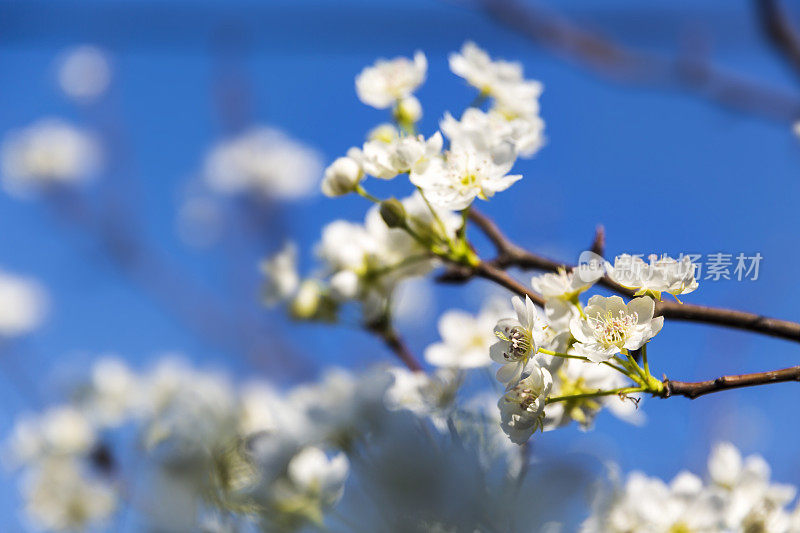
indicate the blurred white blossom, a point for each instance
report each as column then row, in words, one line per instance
column 266, row 162
column 48, row 152
column 84, row 72
column 23, row 305
column 466, row 339
column 389, row 81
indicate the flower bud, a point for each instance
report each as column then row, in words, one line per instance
column 393, row 213
column 307, row 301
column 341, row 177
column 384, row 133
column 408, row 110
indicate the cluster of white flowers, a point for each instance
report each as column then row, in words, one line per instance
column 275, row 459
column 362, row 262
column 737, row 497
column 263, row 161
column 47, row 153
column 483, row 145
column 253, row 449
column 660, row 274
column 582, row 350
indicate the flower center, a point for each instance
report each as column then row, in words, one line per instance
column 469, row 180
column 613, row 330
column 519, row 343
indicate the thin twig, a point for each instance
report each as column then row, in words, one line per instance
column 397, row 345
column 509, row 254
column 631, row 66
column 692, row 390
column 779, row 31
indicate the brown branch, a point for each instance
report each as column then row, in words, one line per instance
column 779, row 31
column 612, row 60
column 599, row 243
column 509, row 254
column 396, row 344
column 693, row 390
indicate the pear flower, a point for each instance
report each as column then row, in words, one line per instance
column 482, row 72
column 561, row 289
column 466, row 339
column 263, row 161
column 280, row 271
column 494, row 133
column 342, row 176
column 47, row 153
column 455, row 180
column 390, row 81
column 23, row 305
column 519, row 339
column 313, row 473
column 610, row 326
column 566, row 285
column 662, row 274
column 649, row 504
column 753, row 502
column 522, row 406
column 401, row 155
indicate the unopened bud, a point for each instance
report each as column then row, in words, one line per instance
column 341, row 177
column 408, row 110
column 307, row 301
column 393, row 213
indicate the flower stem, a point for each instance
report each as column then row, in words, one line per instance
column 595, row 394
column 363, row 192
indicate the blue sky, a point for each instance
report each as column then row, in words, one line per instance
column 662, row 169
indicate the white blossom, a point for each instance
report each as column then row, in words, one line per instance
column 367, row 261
column 48, row 152
column 518, row 340
column 462, row 174
column 280, row 271
column 522, row 407
column 649, row 504
column 494, row 133
column 341, row 177
column 610, row 326
column 313, row 473
column 504, row 80
column 660, row 274
column 23, row 305
column 466, row 338
column 60, row 496
column 264, row 161
column 84, row 73
column 423, row 394
column 401, row 155
column 753, row 503
column 388, row 81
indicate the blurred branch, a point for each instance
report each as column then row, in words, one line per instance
column 626, row 65
column 511, row 255
column 396, row 344
column 693, row 390
column 779, row 31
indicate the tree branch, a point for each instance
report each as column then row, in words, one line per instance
column 612, row 60
column 509, row 254
column 779, row 31
column 397, row 345
column 693, row 390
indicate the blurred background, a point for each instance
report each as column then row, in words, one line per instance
column 670, row 123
